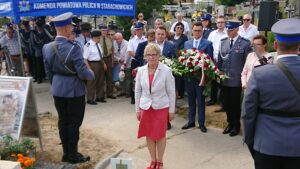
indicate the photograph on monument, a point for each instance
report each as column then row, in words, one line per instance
column 13, row 93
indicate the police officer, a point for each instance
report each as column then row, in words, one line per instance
column 93, row 54
column 85, row 34
column 206, row 22
column 67, row 71
column 233, row 52
column 271, row 107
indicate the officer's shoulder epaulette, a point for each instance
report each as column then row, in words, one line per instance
column 87, row 44
column 224, row 38
column 259, row 66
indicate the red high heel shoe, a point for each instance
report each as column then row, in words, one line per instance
column 159, row 165
column 152, row 165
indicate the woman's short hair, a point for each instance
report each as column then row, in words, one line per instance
column 152, row 46
column 262, row 37
column 178, row 24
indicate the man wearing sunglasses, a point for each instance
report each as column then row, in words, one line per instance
column 248, row 30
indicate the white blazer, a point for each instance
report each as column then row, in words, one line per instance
column 162, row 90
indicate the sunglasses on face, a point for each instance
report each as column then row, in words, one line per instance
column 179, row 27
column 246, row 19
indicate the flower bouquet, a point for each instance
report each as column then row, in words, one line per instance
column 194, row 63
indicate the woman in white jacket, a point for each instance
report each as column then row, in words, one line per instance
column 155, row 102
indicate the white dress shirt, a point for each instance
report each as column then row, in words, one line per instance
column 248, row 33
column 90, row 51
column 134, row 42
column 215, row 37
column 196, row 43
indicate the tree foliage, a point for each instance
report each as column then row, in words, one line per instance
column 144, row 6
column 229, row 2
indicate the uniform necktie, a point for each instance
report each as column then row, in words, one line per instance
column 104, row 47
column 99, row 51
column 196, row 44
column 85, row 40
column 231, row 43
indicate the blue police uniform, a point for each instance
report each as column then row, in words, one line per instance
column 67, row 71
column 208, row 30
column 231, row 59
column 271, row 107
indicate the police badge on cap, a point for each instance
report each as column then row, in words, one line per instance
column 232, row 24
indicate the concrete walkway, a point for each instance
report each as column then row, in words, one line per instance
column 189, row 149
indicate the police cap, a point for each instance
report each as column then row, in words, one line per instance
column 287, row 30
column 63, row 19
column 95, row 33
column 139, row 25
column 206, row 17
column 232, row 24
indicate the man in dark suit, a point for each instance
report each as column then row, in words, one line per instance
column 66, row 70
column 167, row 48
column 232, row 55
column 139, row 54
column 195, row 92
column 271, row 107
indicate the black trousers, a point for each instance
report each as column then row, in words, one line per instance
column 70, row 117
column 232, row 105
column 263, row 161
column 214, row 90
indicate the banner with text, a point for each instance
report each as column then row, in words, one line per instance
column 78, row 7
column 6, row 8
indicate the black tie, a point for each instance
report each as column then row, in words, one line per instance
column 231, row 43
column 99, row 51
column 85, row 40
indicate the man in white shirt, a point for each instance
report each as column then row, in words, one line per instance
column 132, row 46
column 122, row 58
column 248, row 30
column 93, row 55
column 215, row 37
column 179, row 17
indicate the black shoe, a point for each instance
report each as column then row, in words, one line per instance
column 211, row 102
column 220, row 110
column 91, row 102
column 102, row 100
column 187, row 126
column 227, row 130
column 203, row 129
column 132, row 102
column 234, row 132
column 111, row 97
column 64, row 158
column 78, row 158
column 169, row 126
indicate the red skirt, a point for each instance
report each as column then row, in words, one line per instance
column 153, row 123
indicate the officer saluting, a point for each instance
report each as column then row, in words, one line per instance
column 234, row 50
column 271, row 108
column 66, row 71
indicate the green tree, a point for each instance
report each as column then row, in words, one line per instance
column 144, row 6
column 229, row 2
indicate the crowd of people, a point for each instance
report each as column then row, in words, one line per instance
column 75, row 56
